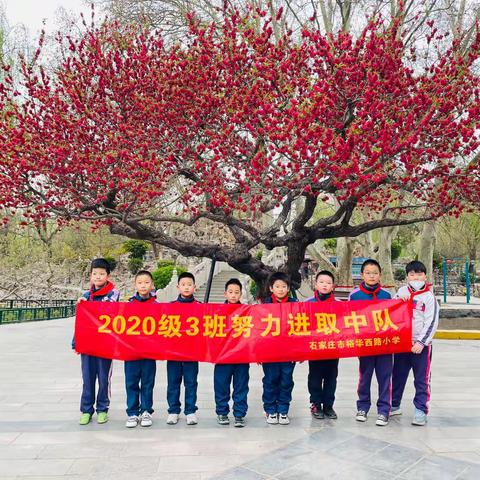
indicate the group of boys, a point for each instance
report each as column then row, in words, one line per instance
column 391, row 370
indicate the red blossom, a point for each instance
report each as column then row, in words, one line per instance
column 237, row 112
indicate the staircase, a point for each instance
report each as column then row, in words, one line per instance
column 218, row 286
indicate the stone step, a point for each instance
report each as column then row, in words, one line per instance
column 218, row 286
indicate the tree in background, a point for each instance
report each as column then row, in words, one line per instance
column 459, row 237
column 136, row 250
column 155, row 140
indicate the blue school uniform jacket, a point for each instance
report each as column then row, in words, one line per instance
column 271, row 299
column 363, row 292
column 320, row 297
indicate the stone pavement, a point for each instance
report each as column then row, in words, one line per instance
column 459, row 302
column 40, row 438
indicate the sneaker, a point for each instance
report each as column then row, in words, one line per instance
column 172, row 419
column 223, row 420
column 283, row 419
column 146, row 419
column 420, row 418
column 329, row 412
column 272, row 418
column 102, row 417
column 132, row 421
column 361, row 416
column 395, row 411
column 382, row 421
column 192, row 419
column 85, row 419
column 316, row 412
column 239, row 422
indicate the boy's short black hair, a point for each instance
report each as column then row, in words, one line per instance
column 370, row 261
column 233, row 281
column 415, row 266
column 143, row 272
column 327, row 273
column 101, row 263
column 278, row 276
column 186, row 275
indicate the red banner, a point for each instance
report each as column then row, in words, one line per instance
column 220, row 333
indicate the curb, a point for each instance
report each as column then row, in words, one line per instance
column 458, row 334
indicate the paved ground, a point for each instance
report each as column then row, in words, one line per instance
column 459, row 302
column 40, row 438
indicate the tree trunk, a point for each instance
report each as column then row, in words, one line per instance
column 321, row 258
column 344, row 260
column 384, row 256
column 295, row 257
column 370, row 246
column 426, row 247
column 155, row 250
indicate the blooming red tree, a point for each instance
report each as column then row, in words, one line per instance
column 154, row 139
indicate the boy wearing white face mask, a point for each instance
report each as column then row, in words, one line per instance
column 424, row 325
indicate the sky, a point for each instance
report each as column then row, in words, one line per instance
column 32, row 12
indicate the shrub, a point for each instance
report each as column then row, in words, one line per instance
column 135, row 248
column 395, row 249
column 463, row 278
column 399, row 274
column 134, row 265
column 253, row 288
column 165, row 263
column 163, row 275
column 330, row 244
column 437, row 261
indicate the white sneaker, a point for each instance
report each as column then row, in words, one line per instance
column 420, row 418
column 361, row 416
column 172, row 419
column 283, row 419
column 272, row 418
column 395, row 411
column 132, row 421
column 382, row 421
column 146, row 419
column 192, row 419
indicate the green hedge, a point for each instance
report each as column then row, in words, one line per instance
column 163, row 275
column 165, row 263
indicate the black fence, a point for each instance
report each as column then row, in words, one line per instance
column 15, row 311
column 15, row 303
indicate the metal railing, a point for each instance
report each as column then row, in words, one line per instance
column 16, row 303
column 19, row 314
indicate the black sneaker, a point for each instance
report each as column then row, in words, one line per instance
column 223, row 420
column 382, row 420
column 239, row 422
column 316, row 411
column 330, row 413
column 361, row 416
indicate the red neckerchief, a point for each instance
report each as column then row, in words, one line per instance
column 418, row 292
column 276, row 300
column 370, row 292
column 101, row 292
column 330, row 298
